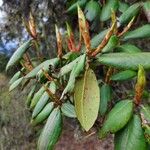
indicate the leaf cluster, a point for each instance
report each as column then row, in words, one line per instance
column 68, row 86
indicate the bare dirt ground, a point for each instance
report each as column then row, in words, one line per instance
column 17, row 134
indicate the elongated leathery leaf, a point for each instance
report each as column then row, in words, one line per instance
column 70, row 56
column 73, row 8
column 40, row 104
column 67, row 68
column 117, row 118
column 15, row 84
column 30, row 95
column 15, row 77
column 92, row 10
column 145, row 111
column 77, row 69
column 123, row 6
column 141, row 32
column 105, row 97
column 107, row 9
column 36, row 97
column 97, row 39
column 71, row 82
column 123, row 75
column 18, row 54
column 112, row 43
column 53, row 87
column 42, row 101
column 146, row 6
column 51, row 131
column 45, row 65
column 131, row 137
column 129, row 13
column 68, row 110
column 43, row 114
column 126, row 60
column 87, row 99
column 129, row 48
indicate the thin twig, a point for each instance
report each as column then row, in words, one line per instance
column 52, row 79
column 53, row 96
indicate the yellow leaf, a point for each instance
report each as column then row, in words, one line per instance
column 87, row 99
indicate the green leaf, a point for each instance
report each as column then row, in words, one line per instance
column 141, row 32
column 40, row 76
column 107, row 9
column 131, row 137
column 117, row 118
column 51, row 131
column 30, row 95
column 73, row 8
column 15, row 84
column 145, row 111
column 70, row 56
column 87, row 99
column 146, row 6
column 123, row 75
column 71, row 82
column 68, row 110
column 123, row 6
column 112, row 43
column 44, row 65
column 129, row 13
column 105, row 97
column 77, row 69
column 128, row 48
column 125, row 60
column 36, row 97
column 40, row 104
column 43, row 114
column 15, row 77
column 53, row 87
column 97, row 39
column 67, row 68
column 92, row 10
column 18, row 54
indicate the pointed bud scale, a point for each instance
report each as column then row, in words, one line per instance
column 84, row 29
column 59, row 42
column 71, row 40
column 139, row 87
column 32, row 26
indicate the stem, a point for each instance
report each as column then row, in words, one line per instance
column 39, row 55
column 52, row 79
column 53, row 96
